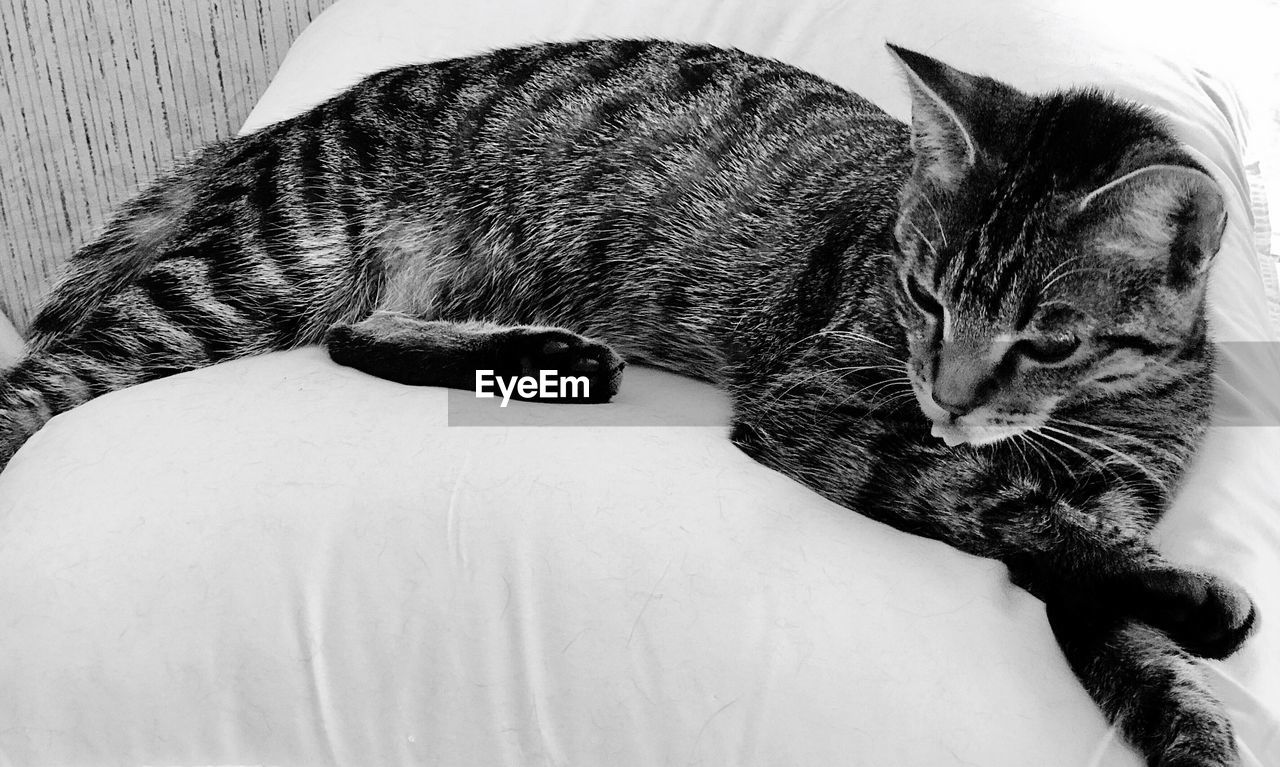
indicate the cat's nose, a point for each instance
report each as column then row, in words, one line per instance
column 961, row 380
column 956, row 407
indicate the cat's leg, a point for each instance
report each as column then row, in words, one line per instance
column 1062, row 538
column 39, row 387
column 125, row 341
column 1086, row 549
column 1148, row 687
column 1086, row 543
column 408, row 350
column 1123, row 613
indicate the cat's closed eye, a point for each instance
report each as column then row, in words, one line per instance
column 1126, row 342
column 922, row 298
column 1050, row 350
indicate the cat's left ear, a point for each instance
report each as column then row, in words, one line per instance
column 1161, row 213
column 947, row 108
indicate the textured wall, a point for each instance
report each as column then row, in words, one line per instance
column 96, row 98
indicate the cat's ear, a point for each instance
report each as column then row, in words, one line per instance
column 1168, row 213
column 941, row 131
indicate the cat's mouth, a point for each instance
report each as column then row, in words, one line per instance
column 983, row 426
column 956, row 432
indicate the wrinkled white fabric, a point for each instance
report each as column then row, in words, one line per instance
column 282, row 561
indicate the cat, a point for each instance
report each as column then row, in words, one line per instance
column 987, row 326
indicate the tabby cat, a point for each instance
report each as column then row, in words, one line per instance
column 987, row 327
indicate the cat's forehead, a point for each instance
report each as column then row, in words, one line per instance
column 1001, row 243
column 1046, row 288
column 1011, row 270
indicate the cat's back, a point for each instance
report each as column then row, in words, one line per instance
column 623, row 170
column 546, row 112
column 590, row 87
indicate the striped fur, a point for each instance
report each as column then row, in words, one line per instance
column 1027, row 285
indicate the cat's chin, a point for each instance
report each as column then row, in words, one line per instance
column 949, row 434
column 956, row 434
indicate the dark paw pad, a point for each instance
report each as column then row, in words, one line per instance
column 578, row 369
column 1209, row 616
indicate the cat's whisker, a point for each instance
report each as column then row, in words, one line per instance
column 1029, row 451
column 833, row 373
column 1016, row 444
column 794, row 344
column 850, row 334
column 854, row 335
column 1031, row 444
column 891, row 400
column 778, row 394
column 1123, row 456
column 1062, row 265
column 1117, row 434
column 879, row 386
column 1120, row 454
column 889, row 368
column 1050, row 453
column 829, row 372
column 1084, row 270
column 1092, row 460
column 906, row 394
column 891, row 362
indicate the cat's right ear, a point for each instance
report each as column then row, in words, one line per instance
column 942, row 141
column 1160, row 214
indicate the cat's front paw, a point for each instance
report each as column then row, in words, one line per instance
column 1207, row 615
column 529, row 351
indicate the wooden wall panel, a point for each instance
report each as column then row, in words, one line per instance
column 97, row 98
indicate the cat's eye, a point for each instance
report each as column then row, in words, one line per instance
column 1050, row 350
column 922, row 298
column 1139, row 344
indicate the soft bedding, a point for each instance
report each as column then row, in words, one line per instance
column 281, row 561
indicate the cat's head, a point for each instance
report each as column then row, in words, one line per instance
column 1051, row 250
